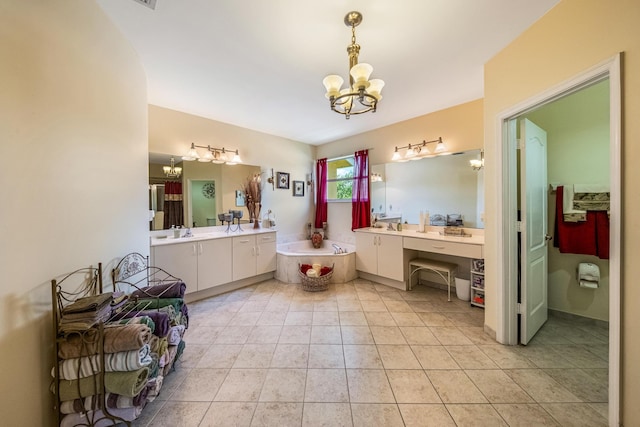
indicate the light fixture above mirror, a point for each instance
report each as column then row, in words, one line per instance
column 213, row 155
column 419, row 151
column 477, row 164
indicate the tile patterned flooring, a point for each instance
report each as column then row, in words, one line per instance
column 364, row 354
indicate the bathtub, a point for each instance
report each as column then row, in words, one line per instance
column 290, row 255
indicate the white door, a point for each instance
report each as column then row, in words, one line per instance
column 534, row 237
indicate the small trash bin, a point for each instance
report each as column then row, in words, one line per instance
column 463, row 288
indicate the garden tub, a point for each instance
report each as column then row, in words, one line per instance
column 291, row 255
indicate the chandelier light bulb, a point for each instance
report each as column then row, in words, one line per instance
column 332, row 83
column 375, row 87
column 208, row 156
column 360, row 74
column 192, row 154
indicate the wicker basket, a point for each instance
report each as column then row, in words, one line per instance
column 315, row 284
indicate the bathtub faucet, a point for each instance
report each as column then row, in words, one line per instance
column 338, row 249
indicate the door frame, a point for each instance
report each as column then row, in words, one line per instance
column 506, row 212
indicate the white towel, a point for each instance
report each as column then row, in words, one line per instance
column 175, row 334
column 570, row 214
column 82, row 367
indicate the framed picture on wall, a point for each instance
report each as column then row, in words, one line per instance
column 283, row 180
column 239, row 198
column 298, row 188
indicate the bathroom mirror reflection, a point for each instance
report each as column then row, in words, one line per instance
column 207, row 190
column 441, row 185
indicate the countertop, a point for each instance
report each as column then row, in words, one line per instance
column 474, row 239
column 158, row 240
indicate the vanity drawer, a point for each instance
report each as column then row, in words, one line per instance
column 466, row 250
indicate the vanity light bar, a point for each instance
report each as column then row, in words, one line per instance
column 419, row 151
column 213, row 155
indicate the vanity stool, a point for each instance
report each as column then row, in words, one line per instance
column 445, row 270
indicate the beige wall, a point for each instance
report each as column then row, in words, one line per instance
column 577, row 129
column 572, row 37
column 172, row 132
column 73, row 126
column 460, row 127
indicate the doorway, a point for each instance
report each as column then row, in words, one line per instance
column 506, row 159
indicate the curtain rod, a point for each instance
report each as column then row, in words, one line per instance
column 348, row 155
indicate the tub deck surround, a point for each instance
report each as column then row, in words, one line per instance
column 383, row 255
column 291, row 255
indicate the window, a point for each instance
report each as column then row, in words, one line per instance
column 340, row 179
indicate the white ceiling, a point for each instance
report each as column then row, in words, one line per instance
column 259, row 64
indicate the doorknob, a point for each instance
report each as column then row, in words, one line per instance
column 547, row 237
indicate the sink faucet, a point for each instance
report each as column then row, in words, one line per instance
column 390, row 227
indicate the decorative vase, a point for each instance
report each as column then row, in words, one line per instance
column 316, row 240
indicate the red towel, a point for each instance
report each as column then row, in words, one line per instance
column 590, row 237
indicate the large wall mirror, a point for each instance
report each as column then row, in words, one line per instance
column 208, row 189
column 441, row 185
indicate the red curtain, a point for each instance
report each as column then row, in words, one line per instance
column 360, row 203
column 321, row 192
column 173, row 212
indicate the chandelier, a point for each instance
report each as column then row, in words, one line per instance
column 213, row 155
column 172, row 171
column 362, row 95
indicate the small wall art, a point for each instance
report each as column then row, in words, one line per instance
column 298, row 188
column 283, row 180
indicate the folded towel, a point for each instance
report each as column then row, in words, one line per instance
column 111, row 401
column 166, row 290
column 184, row 310
column 145, row 320
column 161, row 320
column 91, row 303
column 116, row 339
column 154, row 303
column 99, row 419
column 589, row 237
column 154, row 386
column 154, row 368
column 124, row 383
column 570, row 214
column 175, row 334
column 80, row 367
column 174, row 354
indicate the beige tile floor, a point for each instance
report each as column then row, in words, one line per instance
column 364, row 354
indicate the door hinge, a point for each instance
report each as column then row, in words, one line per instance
column 519, row 144
column 518, row 308
column 519, row 226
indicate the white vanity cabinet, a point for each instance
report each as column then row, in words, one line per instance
column 253, row 254
column 200, row 264
column 380, row 254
